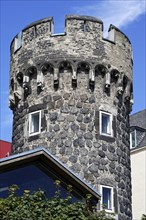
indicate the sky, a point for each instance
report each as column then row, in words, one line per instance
column 128, row 15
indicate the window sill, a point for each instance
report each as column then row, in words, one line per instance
column 34, row 137
column 33, row 134
column 109, row 211
column 106, row 138
column 106, row 134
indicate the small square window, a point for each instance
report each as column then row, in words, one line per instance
column 107, row 198
column 133, row 139
column 35, row 123
column 105, row 123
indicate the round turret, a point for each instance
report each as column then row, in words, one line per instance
column 72, row 94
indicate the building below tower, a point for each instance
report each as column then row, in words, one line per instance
column 138, row 163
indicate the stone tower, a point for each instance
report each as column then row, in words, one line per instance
column 72, row 94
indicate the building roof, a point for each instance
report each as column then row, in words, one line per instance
column 138, row 123
column 138, row 119
column 50, row 161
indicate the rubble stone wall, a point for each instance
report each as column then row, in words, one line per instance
column 70, row 78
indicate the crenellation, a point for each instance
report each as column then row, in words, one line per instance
column 118, row 35
column 43, row 30
column 28, row 35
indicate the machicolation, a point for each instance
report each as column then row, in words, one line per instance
column 72, row 94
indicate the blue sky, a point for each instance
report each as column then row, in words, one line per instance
column 128, row 15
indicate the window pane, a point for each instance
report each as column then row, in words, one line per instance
column 106, row 193
column 33, row 178
column 133, row 139
column 35, row 123
column 105, row 124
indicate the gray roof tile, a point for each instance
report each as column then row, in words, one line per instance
column 138, row 119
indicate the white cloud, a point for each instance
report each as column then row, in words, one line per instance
column 119, row 13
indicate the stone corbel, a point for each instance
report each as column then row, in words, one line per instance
column 26, row 85
column 74, row 75
column 25, row 80
column 131, row 99
column 107, row 80
column 56, row 77
column 74, row 78
column 11, row 101
column 18, row 94
column 127, row 93
column 120, row 85
column 91, row 75
column 40, row 80
column 91, row 79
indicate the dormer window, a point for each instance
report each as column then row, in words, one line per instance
column 133, row 139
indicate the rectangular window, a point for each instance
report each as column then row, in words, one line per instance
column 133, row 140
column 34, row 123
column 105, row 123
column 107, row 198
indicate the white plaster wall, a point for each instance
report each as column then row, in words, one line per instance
column 138, row 174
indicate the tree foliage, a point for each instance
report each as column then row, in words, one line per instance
column 37, row 206
column 143, row 217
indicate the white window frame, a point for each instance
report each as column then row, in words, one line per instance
column 134, row 138
column 110, row 133
column 30, row 123
column 112, row 198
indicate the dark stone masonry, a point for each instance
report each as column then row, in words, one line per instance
column 73, row 82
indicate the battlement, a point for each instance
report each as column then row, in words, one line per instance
column 75, row 25
column 112, row 35
column 37, row 52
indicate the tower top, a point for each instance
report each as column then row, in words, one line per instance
column 76, row 23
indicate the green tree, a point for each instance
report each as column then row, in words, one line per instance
column 37, row 207
column 143, row 217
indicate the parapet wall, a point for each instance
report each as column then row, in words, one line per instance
column 82, row 44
